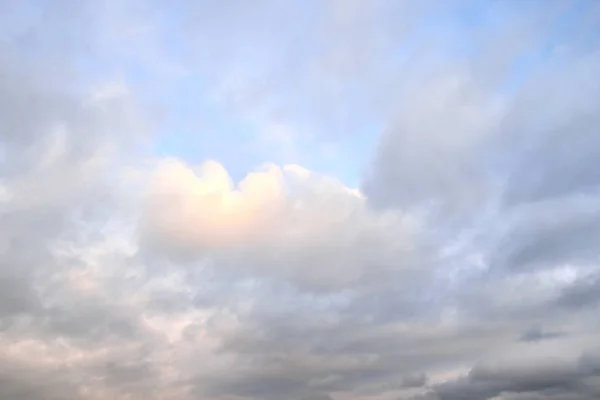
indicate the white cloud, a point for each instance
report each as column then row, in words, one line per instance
column 277, row 220
column 204, row 209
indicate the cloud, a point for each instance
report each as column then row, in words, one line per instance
column 547, row 379
column 536, row 333
column 415, row 380
column 441, row 129
column 206, row 210
column 463, row 267
column 279, row 221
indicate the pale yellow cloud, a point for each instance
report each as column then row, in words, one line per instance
column 203, row 207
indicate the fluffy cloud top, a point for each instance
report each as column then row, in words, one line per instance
column 203, row 209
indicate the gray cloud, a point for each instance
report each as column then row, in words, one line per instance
column 535, row 334
column 414, row 380
column 554, row 379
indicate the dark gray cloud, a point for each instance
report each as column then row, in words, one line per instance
column 414, row 380
column 536, row 334
column 583, row 293
column 543, row 379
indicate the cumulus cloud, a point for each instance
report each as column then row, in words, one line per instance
column 461, row 262
column 278, row 221
column 205, row 210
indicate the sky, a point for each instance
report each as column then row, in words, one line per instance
column 299, row 200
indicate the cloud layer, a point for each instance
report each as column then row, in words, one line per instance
column 318, row 200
